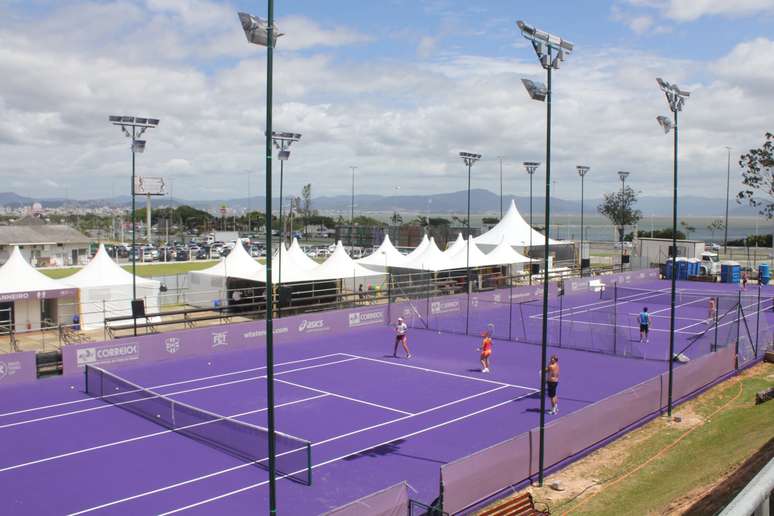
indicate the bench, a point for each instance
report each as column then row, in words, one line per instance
column 522, row 505
column 596, row 285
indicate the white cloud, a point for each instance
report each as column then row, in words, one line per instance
column 689, row 10
column 400, row 122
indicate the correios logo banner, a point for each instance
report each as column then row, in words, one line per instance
column 444, row 307
column 98, row 355
column 366, row 318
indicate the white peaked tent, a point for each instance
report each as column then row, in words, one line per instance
column 294, row 268
column 207, row 285
column 106, row 290
column 506, row 255
column 385, row 256
column 514, row 230
column 477, row 258
column 299, row 257
column 340, row 266
column 26, row 293
column 431, row 259
column 456, row 246
column 418, row 250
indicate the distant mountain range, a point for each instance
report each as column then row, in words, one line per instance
column 481, row 202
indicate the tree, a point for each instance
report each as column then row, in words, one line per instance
column 462, row 221
column 715, row 225
column 618, row 207
column 438, row 221
column 396, row 219
column 758, row 178
column 490, row 220
column 420, row 220
column 659, row 233
column 306, row 209
column 688, row 228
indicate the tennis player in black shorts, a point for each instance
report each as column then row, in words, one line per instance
column 552, row 382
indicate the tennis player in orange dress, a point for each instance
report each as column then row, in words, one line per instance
column 486, row 351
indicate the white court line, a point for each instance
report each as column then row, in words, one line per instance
column 335, row 438
column 108, row 405
column 494, row 382
column 606, row 302
column 347, row 397
column 173, row 384
column 762, row 309
column 342, row 457
column 144, row 436
column 620, row 326
column 677, row 317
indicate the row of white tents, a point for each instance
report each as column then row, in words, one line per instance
column 29, row 298
column 103, row 288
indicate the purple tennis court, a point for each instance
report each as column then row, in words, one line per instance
column 372, row 420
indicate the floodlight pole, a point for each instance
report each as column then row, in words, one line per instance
column 674, row 274
column 501, row 187
column 623, row 175
column 582, row 171
column 676, row 98
column 728, row 186
column 469, row 159
column 352, row 212
column 544, row 341
column 134, row 236
column 531, row 169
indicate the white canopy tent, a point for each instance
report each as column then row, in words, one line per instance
column 340, row 266
column 106, row 290
column 430, row 259
column 386, row 255
column 299, row 257
column 505, row 254
column 26, row 294
column 208, row 285
column 418, row 250
column 514, row 230
column 456, row 246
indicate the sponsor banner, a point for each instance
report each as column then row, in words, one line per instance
column 17, row 368
column 445, row 306
column 519, row 294
column 624, row 278
column 367, row 318
column 214, row 339
column 38, row 294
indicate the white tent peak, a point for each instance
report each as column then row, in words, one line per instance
column 385, row 255
column 340, row 265
column 431, row 259
column 514, row 230
column 238, row 264
column 458, row 244
column 102, row 270
column 17, row 275
column 299, row 257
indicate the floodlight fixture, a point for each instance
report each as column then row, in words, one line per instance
column 665, row 123
column 582, row 170
column 283, row 155
column 138, row 146
column 623, row 175
column 257, row 30
column 469, row 158
column 531, row 166
column 675, row 96
column 550, row 48
column 536, row 90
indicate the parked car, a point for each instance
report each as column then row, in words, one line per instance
column 182, row 255
column 203, row 253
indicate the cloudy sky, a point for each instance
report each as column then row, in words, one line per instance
column 396, row 88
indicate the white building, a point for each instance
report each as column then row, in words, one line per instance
column 44, row 244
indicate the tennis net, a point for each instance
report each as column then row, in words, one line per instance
column 243, row 440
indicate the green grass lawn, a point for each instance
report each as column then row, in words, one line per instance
column 716, row 446
column 145, row 270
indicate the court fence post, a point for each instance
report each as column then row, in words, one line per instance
column 510, row 302
column 717, row 309
column 561, row 308
column 615, row 318
column 738, row 324
column 757, row 319
column 389, row 297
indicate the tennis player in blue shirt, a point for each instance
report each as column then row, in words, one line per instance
column 644, row 324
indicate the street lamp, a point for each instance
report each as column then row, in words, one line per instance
column 469, row 159
column 582, row 171
column 139, row 126
column 623, row 175
column 501, row 186
column 531, row 167
column 676, row 99
column 282, row 141
column 551, row 50
column 728, row 186
column 263, row 33
column 352, row 212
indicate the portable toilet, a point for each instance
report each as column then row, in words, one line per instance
column 764, row 274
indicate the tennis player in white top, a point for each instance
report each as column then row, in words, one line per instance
column 401, row 338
